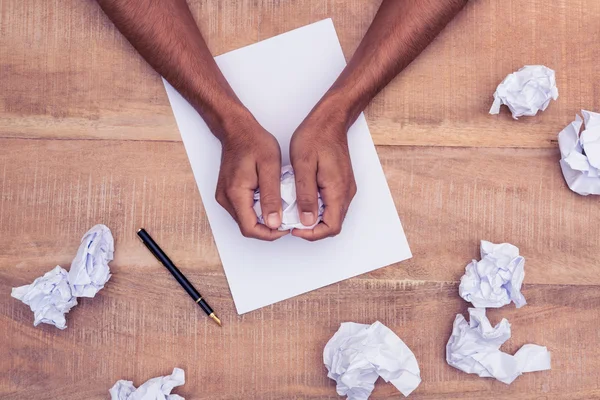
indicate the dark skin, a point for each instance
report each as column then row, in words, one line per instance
column 165, row 34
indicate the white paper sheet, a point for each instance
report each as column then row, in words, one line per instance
column 526, row 91
column 280, row 80
column 49, row 297
column 89, row 269
column 153, row 389
column 496, row 280
column 474, row 347
column 580, row 154
column 358, row 354
column 290, row 218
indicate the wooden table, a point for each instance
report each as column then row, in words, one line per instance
column 87, row 136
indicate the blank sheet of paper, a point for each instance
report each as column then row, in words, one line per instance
column 280, row 80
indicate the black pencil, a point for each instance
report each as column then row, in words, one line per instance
column 162, row 257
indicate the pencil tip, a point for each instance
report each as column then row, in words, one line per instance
column 215, row 318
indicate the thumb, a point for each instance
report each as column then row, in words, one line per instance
column 269, row 183
column 306, row 192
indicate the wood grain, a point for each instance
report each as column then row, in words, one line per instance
column 448, row 199
column 87, row 136
column 132, row 332
column 67, row 73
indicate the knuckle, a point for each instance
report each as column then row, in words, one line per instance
column 246, row 232
column 269, row 199
column 246, row 229
column 337, row 182
column 305, row 184
column 270, row 139
column 305, row 200
column 352, row 190
column 353, row 186
column 335, row 230
column 221, row 198
column 229, row 193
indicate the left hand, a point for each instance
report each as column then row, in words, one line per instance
column 321, row 161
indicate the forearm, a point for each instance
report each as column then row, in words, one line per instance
column 165, row 34
column 398, row 34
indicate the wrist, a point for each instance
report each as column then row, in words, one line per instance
column 339, row 106
column 229, row 120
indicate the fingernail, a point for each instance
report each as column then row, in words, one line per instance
column 307, row 218
column 273, row 220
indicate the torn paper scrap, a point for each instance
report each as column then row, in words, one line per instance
column 290, row 218
column 526, row 91
column 154, row 389
column 496, row 280
column 580, row 154
column 89, row 269
column 474, row 348
column 49, row 297
column 358, row 354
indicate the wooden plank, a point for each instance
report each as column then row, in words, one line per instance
column 448, row 199
column 142, row 325
column 66, row 74
column 87, row 82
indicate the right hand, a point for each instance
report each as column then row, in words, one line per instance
column 251, row 159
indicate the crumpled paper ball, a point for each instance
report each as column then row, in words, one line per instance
column 526, row 91
column 358, row 354
column 474, row 347
column 290, row 218
column 496, row 280
column 153, row 389
column 89, row 269
column 54, row 294
column 49, row 297
column 580, row 154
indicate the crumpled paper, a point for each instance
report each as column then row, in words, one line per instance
column 526, row 91
column 89, row 269
column 495, row 280
column 54, row 294
column 474, row 347
column 580, row 154
column 49, row 297
column 153, row 389
column 290, row 218
column 358, row 354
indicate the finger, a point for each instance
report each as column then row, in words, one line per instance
column 269, row 183
column 247, row 220
column 251, row 228
column 331, row 224
column 224, row 202
column 305, row 173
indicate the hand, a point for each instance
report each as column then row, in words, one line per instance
column 251, row 159
column 321, row 161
